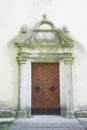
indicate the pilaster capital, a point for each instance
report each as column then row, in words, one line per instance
column 68, row 60
column 21, row 60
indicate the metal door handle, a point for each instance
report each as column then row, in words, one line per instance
column 38, row 88
column 52, row 88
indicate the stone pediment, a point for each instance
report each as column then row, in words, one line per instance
column 44, row 32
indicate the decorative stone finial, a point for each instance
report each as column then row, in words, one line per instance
column 65, row 29
column 24, row 28
column 44, row 17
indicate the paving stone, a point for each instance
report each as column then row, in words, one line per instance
column 49, row 123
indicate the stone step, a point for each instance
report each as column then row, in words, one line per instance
column 47, row 123
column 46, row 128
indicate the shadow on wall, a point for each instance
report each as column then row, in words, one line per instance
column 12, row 52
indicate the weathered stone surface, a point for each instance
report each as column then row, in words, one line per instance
column 7, row 113
column 81, row 113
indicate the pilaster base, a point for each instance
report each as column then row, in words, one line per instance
column 70, row 114
column 22, row 114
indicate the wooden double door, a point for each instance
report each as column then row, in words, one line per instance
column 45, row 88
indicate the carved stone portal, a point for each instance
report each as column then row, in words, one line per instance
column 48, row 44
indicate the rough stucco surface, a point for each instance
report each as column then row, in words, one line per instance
column 8, row 79
column 79, row 77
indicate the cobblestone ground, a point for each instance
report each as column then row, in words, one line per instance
column 48, row 123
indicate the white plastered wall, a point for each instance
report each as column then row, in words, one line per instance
column 80, row 77
column 8, row 77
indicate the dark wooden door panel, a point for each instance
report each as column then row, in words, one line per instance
column 45, row 88
column 52, row 86
column 38, row 89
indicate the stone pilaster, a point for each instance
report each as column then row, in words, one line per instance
column 69, row 87
column 24, row 86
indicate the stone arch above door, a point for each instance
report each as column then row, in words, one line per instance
column 48, row 45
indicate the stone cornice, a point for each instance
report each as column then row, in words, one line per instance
column 22, row 57
column 45, row 45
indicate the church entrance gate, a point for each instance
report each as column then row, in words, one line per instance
column 49, row 50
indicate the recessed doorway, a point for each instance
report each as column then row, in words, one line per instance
column 45, row 89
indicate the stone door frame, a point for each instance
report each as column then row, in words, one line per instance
column 50, row 54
